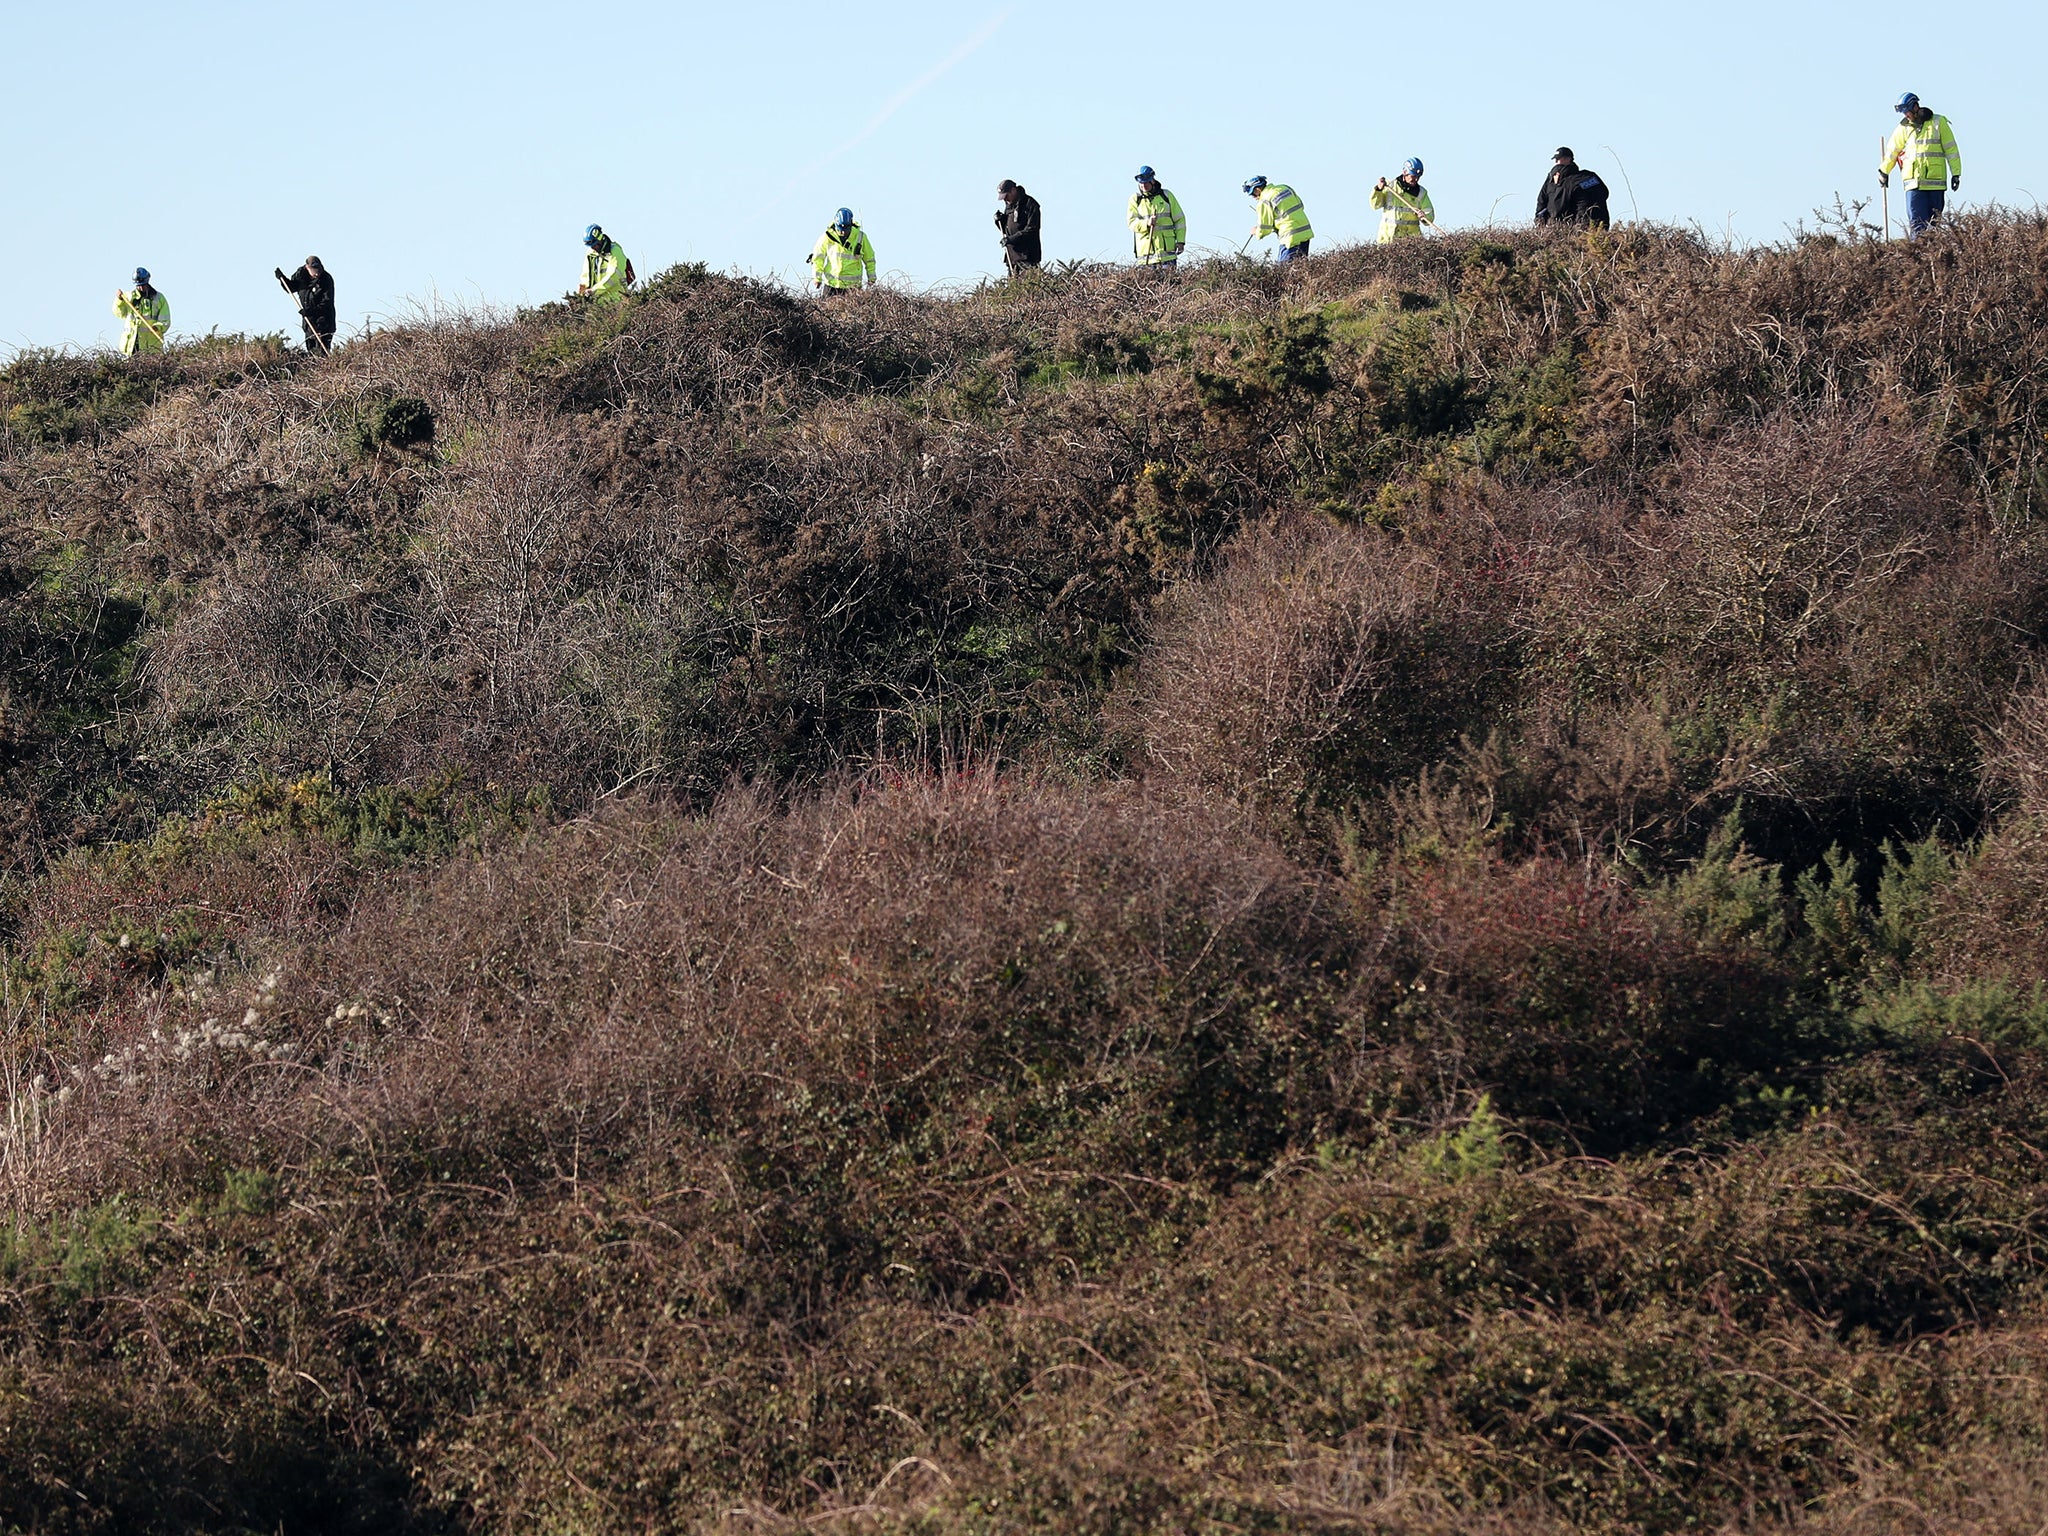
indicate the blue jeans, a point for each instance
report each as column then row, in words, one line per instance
column 1292, row 252
column 1922, row 209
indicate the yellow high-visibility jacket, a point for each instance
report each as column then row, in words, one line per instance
column 149, row 320
column 842, row 261
column 1927, row 151
column 1159, row 230
column 1281, row 213
column 607, row 274
column 1402, row 211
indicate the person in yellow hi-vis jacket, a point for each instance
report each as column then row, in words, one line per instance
column 845, row 257
column 1925, row 146
column 1159, row 230
column 1281, row 214
column 607, row 274
column 148, row 314
column 1403, row 204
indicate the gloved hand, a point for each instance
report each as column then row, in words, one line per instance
column 1955, row 183
column 1883, row 179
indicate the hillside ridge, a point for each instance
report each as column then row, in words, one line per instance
column 1404, row 895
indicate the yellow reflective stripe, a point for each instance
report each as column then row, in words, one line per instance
column 1156, row 243
column 605, row 274
column 1413, row 209
column 1928, row 150
column 842, row 262
column 1289, row 217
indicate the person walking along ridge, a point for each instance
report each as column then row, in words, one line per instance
column 607, row 273
column 1403, row 204
column 312, row 289
column 1159, row 230
column 1924, row 145
column 1018, row 222
column 1281, row 214
column 1571, row 194
column 147, row 313
column 844, row 257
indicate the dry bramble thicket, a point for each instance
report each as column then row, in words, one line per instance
column 1406, row 896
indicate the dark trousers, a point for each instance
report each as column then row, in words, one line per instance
column 1922, row 209
column 1292, row 252
column 1018, row 265
column 317, row 340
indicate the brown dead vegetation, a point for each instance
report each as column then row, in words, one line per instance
column 1403, row 896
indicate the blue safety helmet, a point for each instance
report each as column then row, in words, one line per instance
column 1907, row 102
column 1144, row 174
column 1255, row 186
column 142, row 274
column 1412, row 167
column 843, row 219
column 593, row 234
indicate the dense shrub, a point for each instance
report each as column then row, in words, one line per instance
column 1403, row 895
column 1555, row 987
column 924, row 1095
column 1324, row 664
column 1994, row 918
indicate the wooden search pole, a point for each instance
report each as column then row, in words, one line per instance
column 1884, row 151
column 1420, row 217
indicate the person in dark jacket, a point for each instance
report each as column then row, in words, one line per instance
column 312, row 289
column 1018, row 223
column 1571, row 194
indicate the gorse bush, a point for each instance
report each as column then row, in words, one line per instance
column 401, row 422
column 1404, row 895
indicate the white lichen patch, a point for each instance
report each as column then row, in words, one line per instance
column 211, row 1045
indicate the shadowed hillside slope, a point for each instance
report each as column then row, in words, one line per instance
column 1401, row 896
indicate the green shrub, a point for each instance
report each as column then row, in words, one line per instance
column 402, row 421
column 1476, row 1147
column 1993, row 1010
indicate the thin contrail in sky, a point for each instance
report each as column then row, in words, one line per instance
column 892, row 106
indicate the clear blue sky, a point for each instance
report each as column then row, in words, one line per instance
column 453, row 153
